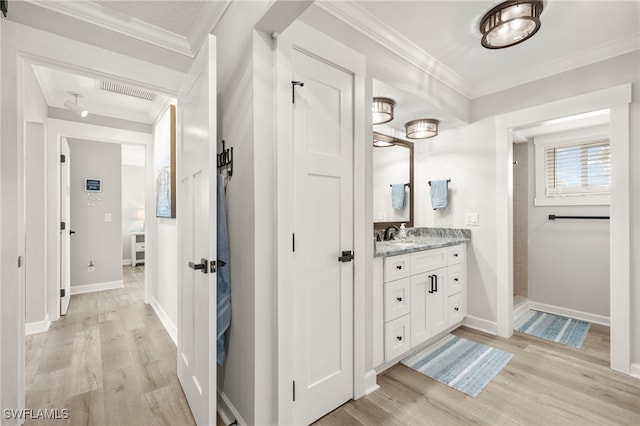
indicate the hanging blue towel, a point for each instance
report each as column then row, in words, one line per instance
column 439, row 194
column 223, row 275
column 397, row 196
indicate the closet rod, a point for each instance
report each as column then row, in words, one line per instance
column 554, row 217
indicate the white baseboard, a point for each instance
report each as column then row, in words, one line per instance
column 571, row 313
column 521, row 309
column 634, row 370
column 126, row 262
column 88, row 288
column 480, row 324
column 370, row 382
column 37, row 326
column 228, row 413
column 165, row 320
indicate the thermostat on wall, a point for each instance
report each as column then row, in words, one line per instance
column 92, row 185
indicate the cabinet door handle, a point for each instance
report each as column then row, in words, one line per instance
column 399, row 299
column 430, row 283
column 456, row 309
column 399, row 267
column 455, row 279
column 436, row 280
column 455, row 254
column 399, row 338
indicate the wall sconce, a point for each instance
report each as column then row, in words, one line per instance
column 422, row 128
column 75, row 107
column 510, row 23
column 382, row 110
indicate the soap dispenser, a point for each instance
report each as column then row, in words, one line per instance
column 403, row 232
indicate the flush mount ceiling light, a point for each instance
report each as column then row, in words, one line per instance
column 382, row 110
column 422, row 128
column 75, row 107
column 382, row 141
column 510, row 23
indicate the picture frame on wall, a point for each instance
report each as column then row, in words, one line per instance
column 164, row 156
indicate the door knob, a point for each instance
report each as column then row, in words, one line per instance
column 347, row 256
column 202, row 266
column 71, row 232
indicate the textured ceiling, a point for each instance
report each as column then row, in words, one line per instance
column 175, row 16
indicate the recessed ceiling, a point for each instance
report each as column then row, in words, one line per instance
column 56, row 86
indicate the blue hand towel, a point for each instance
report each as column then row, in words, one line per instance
column 397, row 196
column 439, row 194
column 223, row 275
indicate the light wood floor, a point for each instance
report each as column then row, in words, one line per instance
column 109, row 362
column 544, row 384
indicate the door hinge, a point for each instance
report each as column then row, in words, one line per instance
column 19, row 261
column 63, row 226
column 62, row 292
column 63, row 158
column 212, row 266
column 294, row 391
column 293, row 90
column 293, row 242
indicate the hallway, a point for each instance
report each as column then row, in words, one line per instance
column 108, row 362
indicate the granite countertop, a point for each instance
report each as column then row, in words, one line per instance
column 419, row 239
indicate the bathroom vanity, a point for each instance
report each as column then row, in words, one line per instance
column 420, row 290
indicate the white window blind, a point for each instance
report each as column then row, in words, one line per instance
column 578, row 169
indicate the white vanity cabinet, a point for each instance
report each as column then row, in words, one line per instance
column 423, row 294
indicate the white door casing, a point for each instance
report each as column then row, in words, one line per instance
column 65, row 217
column 196, row 202
column 323, row 225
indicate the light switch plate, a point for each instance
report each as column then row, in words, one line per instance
column 472, row 219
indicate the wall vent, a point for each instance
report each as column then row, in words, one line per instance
column 126, row 90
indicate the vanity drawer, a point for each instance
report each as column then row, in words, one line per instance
column 456, row 309
column 396, row 267
column 397, row 337
column 139, row 246
column 455, row 254
column 455, row 276
column 427, row 260
column 397, row 301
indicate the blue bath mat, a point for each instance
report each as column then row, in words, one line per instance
column 459, row 363
column 567, row 331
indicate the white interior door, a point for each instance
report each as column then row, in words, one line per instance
column 323, row 224
column 196, row 202
column 65, row 234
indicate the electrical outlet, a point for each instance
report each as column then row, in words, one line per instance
column 472, row 219
column 107, row 217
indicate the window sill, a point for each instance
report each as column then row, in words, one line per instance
column 573, row 201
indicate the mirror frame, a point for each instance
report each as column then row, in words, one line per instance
column 409, row 146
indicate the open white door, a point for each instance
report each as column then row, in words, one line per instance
column 323, row 221
column 65, row 230
column 196, row 202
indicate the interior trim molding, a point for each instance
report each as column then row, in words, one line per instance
column 37, row 326
column 634, row 370
column 171, row 328
column 115, row 21
column 571, row 313
column 377, row 30
column 370, row 382
column 212, row 13
column 89, row 288
column 521, row 309
column 480, row 324
column 227, row 411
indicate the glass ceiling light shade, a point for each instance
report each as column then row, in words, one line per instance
column 382, row 141
column 510, row 23
column 75, row 107
column 422, row 128
column 382, row 110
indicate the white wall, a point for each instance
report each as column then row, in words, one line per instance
column 35, row 117
column 568, row 259
column 96, row 239
column 133, row 199
column 466, row 156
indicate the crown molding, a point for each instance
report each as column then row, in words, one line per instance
column 578, row 59
column 115, row 21
column 212, row 13
column 364, row 22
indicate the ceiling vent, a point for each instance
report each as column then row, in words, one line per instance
column 128, row 91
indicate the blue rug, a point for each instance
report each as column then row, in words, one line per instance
column 567, row 331
column 459, row 363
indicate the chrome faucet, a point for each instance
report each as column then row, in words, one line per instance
column 388, row 234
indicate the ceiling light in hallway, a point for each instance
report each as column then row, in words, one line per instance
column 510, row 23
column 73, row 106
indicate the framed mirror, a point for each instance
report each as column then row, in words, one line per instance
column 392, row 165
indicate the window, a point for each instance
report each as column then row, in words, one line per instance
column 573, row 168
column 578, row 169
